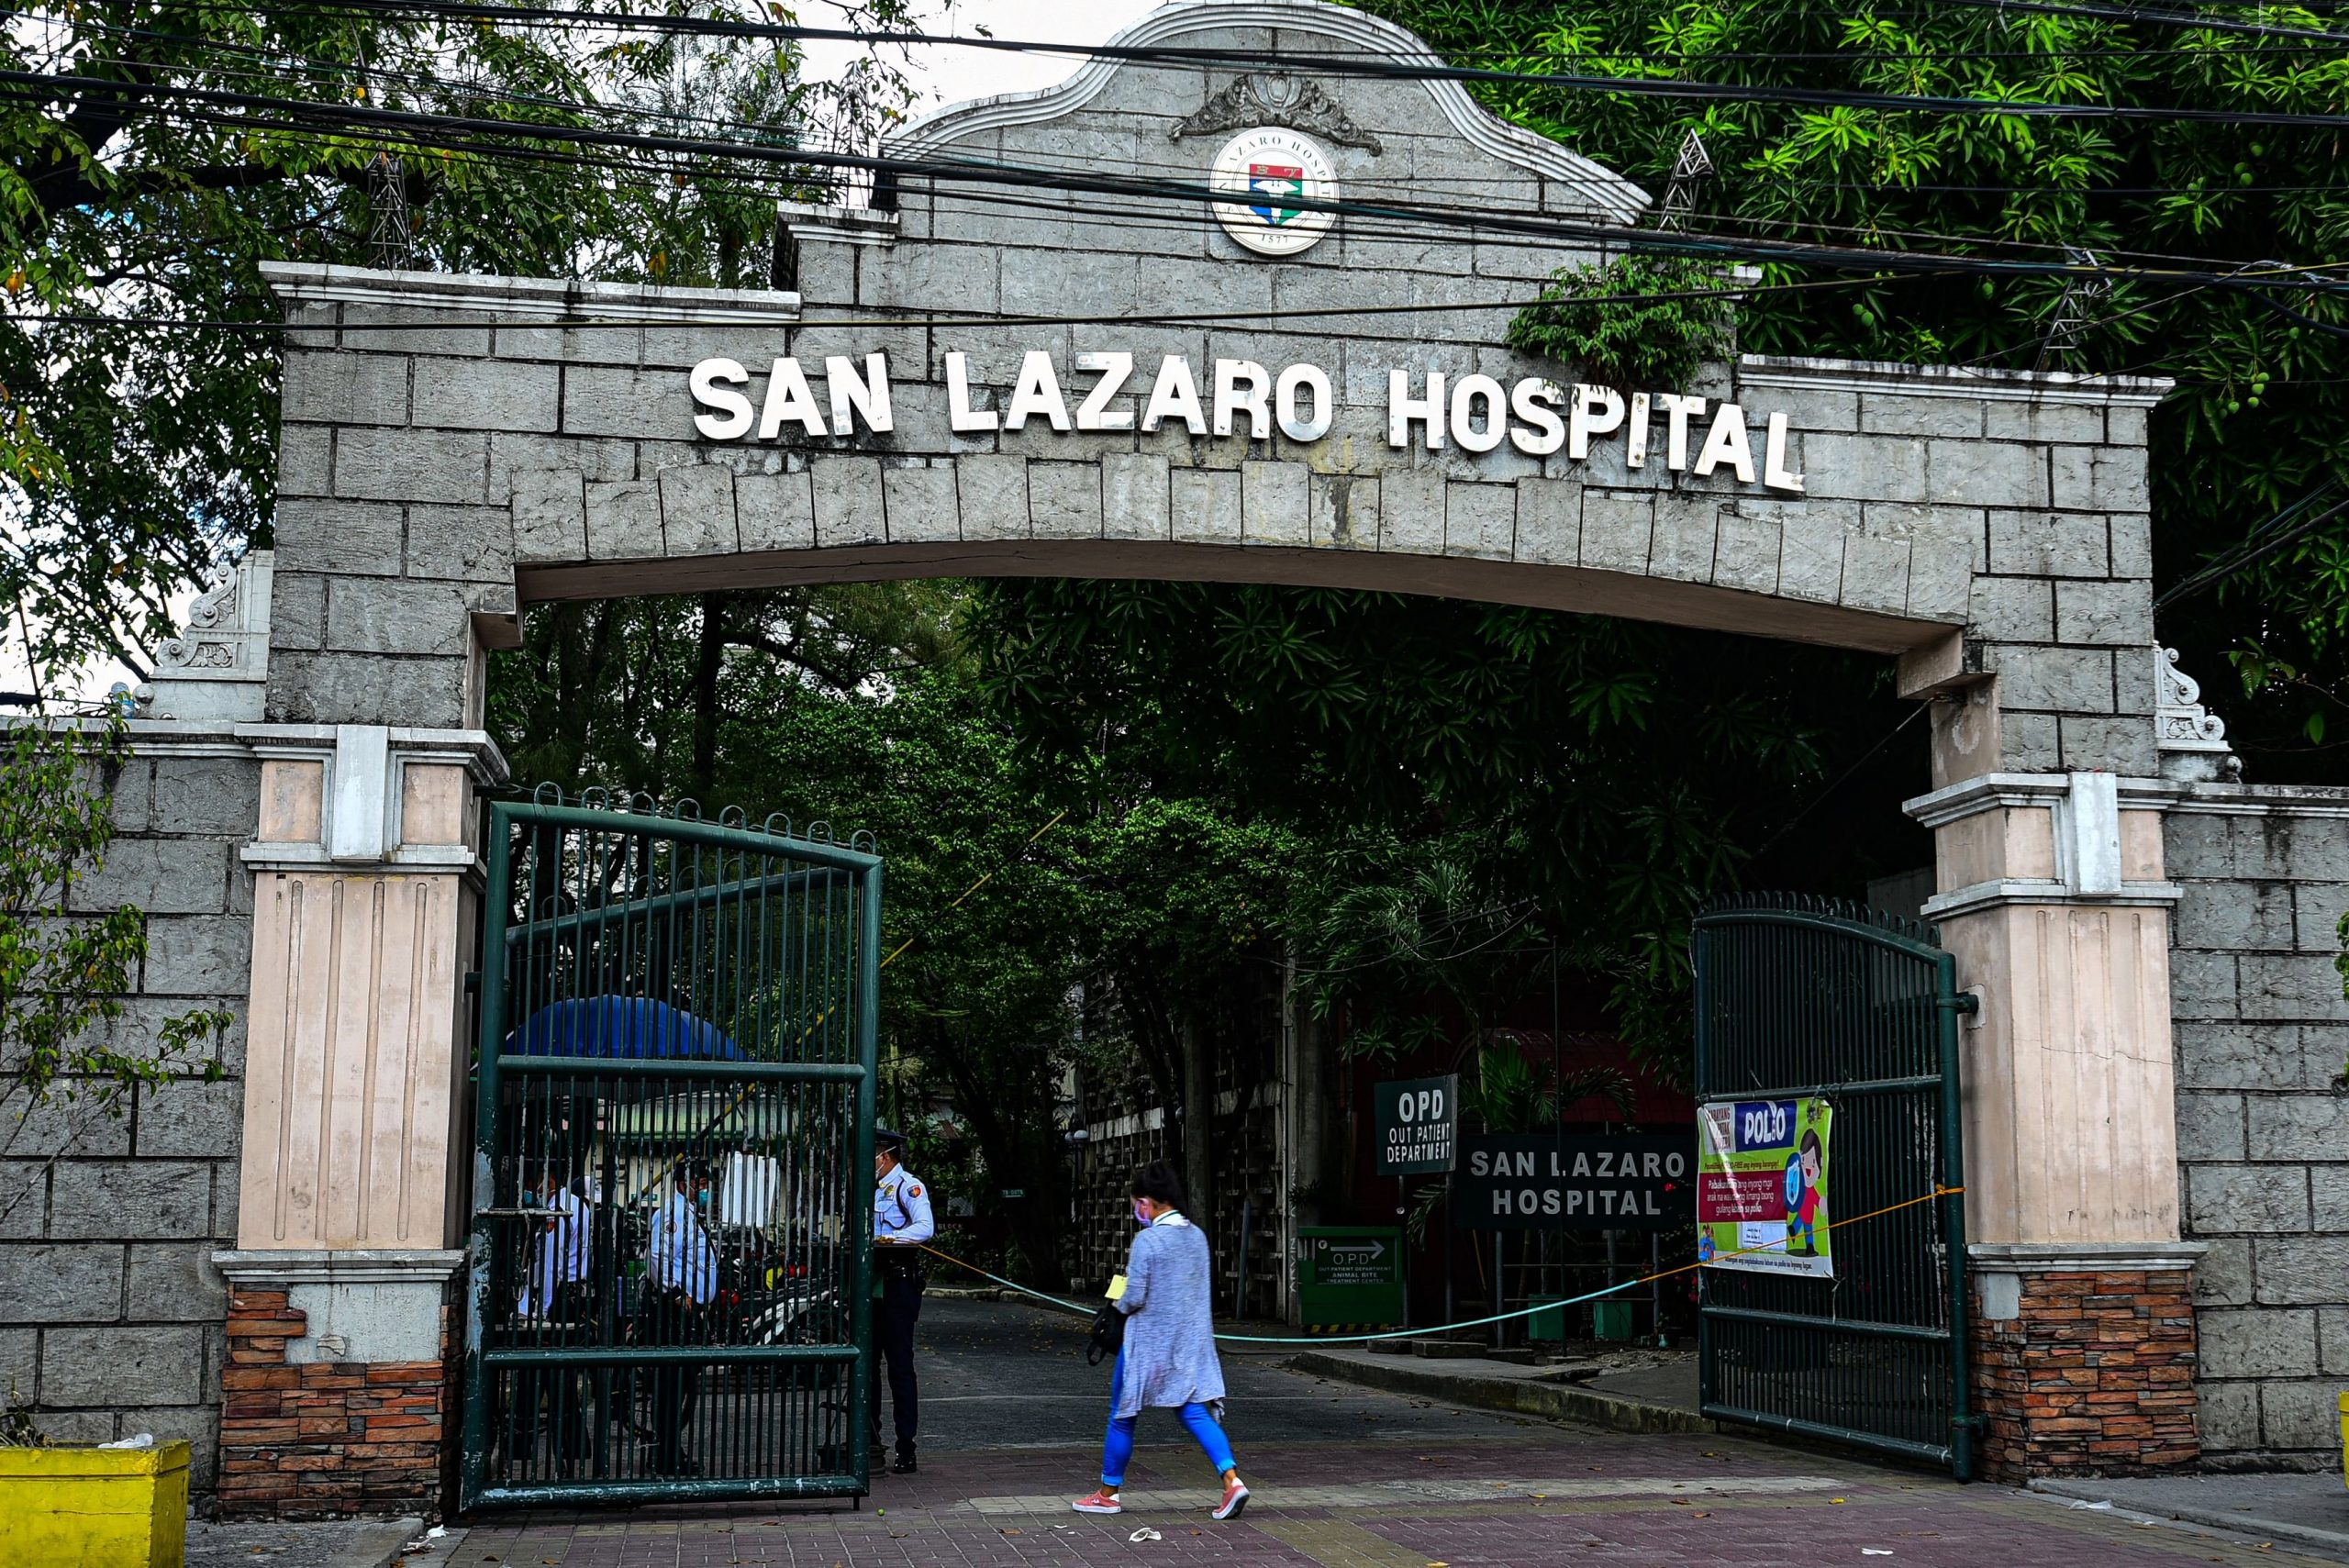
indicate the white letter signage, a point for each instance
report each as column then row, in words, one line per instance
column 1430, row 410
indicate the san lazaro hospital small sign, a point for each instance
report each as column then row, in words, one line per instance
column 1539, row 418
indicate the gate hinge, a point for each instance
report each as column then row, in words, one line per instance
column 1964, row 1002
column 472, row 983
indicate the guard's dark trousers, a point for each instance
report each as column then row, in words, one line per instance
column 896, row 1313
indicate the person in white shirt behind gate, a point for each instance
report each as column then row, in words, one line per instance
column 681, row 1267
column 901, row 1223
column 554, row 1307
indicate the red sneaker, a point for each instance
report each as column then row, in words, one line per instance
column 1100, row 1501
column 1235, row 1498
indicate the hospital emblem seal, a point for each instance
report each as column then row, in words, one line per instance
column 1269, row 168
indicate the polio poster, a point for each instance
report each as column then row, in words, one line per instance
column 1762, row 1194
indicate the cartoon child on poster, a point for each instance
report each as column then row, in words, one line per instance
column 1804, row 1194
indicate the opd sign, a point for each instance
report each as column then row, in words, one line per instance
column 1417, row 1125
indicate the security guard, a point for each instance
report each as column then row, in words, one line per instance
column 901, row 1222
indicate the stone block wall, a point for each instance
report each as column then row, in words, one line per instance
column 111, row 1312
column 2263, row 1117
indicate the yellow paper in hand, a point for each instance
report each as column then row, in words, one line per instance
column 1117, row 1288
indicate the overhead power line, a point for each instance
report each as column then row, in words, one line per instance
column 279, row 61
column 1424, row 68
column 919, row 317
column 23, row 87
column 2301, row 39
column 1676, row 216
column 2138, row 16
column 2287, row 527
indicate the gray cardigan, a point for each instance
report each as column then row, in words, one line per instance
column 1169, row 1357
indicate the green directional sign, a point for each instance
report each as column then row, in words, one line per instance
column 1369, row 1260
column 1348, row 1278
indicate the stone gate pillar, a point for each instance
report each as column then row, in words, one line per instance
column 2052, row 895
column 366, row 883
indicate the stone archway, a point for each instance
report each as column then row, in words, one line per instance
column 455, row 448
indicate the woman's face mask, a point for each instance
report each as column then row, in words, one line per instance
column 1142, row 1212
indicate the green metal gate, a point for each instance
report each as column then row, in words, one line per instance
column 1798, row 998
column 672, row 1159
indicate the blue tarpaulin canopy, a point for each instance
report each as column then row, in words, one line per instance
column 634, row 1027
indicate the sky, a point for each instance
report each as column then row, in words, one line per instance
column 941, row 76
column 952, row 75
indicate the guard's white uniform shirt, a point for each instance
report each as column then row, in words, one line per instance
column 901, row 1208
column 562, row 1252
column 680, row 1255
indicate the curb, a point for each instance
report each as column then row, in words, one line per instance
column 380, row 1545
column 2334, row 1542
column 1516, row 1396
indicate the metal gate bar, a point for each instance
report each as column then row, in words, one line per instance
column 670, row 1247
column 1798, row 997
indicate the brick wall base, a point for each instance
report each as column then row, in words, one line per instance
column 2092, row 1374
column 324, row 1439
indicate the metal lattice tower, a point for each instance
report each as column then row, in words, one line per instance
column 2075, row 311
column 1689, row 170
column 390, row 235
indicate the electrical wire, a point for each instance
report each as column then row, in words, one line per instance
column 421, row 82
column 913, row 317
column 1715, row 1261
column 425, row 83
column 2137, row 16
column 1863, row 54
column 1426, row 69
column 1810, row 224
column 23, row 87
column 1839, row 780
column 2289, row 527
column 612, row 110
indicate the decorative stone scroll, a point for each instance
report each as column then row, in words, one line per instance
column 218, row 666
column 2191, row 740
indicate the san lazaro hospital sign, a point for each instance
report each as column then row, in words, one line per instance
column 1282, row 179
column 1683, row 433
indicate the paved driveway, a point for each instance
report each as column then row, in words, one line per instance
column 1344, row 1478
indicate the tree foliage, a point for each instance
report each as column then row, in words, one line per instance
column 62, row 979
column 133, row 456
column 1472, row 785
column 2261, row 396
column 1633, row 322
column 1023, row 902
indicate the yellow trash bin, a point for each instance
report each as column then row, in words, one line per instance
column 2344, row 1436
column 94, row 1508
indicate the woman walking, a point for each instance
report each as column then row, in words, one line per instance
column 1168, row 1360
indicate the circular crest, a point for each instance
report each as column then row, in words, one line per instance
column 1269, row 167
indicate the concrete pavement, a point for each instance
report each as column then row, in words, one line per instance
column 2308, row 1509
column 1006, row 1377
column 1654, row 1399
column 1513, row 1498
column 1344, row 1477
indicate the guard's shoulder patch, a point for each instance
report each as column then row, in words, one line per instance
column 914, row 1191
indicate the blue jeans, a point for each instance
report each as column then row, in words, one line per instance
column 1118, row 1446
